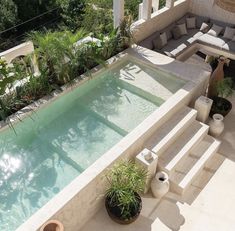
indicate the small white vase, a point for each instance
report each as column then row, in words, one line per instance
column 216, row 125
column 160, row 184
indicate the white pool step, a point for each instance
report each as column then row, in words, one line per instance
column 190, row 167
column 182, row 146
column 173, row 128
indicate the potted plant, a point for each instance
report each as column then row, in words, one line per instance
column 123, row 202
column 220, row 104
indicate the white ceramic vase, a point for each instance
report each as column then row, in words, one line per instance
column 160, row 184
column 216, row 125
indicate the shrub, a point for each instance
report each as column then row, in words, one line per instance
column 97, row 20
column 72, row 12
column 8, row 12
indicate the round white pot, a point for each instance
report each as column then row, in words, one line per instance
column 160, row 184
column 216, row 125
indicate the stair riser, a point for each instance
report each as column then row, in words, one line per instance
column 181, row 190
column 169, row 172
column 166, row 145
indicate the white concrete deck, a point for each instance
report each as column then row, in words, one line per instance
column 208, row 205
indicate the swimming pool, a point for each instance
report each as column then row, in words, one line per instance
column 58, row 142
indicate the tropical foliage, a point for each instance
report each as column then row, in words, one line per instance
column 62, row 56
column 125, row 179
column 72, row 12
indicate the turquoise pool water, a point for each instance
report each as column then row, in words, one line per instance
column 59, row 141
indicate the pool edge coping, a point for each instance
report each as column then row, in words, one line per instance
column 52, row 207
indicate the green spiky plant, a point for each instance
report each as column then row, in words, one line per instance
column 125, row 179
column 125, row 32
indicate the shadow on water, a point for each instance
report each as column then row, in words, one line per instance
column 29, row 161
column 33, row 162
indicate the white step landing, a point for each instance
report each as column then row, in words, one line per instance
column 171, row 130
column 188, row 169
column 180, row 149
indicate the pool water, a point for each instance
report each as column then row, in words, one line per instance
column 58, row 142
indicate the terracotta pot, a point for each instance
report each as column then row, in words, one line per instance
column 52, row 225
column 118, row 219
column 216, row 76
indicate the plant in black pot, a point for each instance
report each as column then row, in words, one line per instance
column 123, row 202
column 220, row 104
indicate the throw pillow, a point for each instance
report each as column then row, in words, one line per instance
column 215, row 30
column 229, row 33
column 204, row 27
column 183, row 29
column 191, row 23
column 163, row 37
column 200, row 20
column 176, row 32
column 160, row 41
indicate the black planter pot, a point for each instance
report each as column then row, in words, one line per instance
column 114, row 211
column 220, row 106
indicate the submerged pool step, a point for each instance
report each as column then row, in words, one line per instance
column 189, row 169
column 105, row 121
column 169, row 131
column 181, row 148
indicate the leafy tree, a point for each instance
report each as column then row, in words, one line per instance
column 97, row 20
column 29, row 9
column 8, row 12
column 72, row 12
column 107, row 4
column 132, row 7
column 162, row 3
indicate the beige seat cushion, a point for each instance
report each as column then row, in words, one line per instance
column 193, row 35
column 175, row 47
column 175, row 51
column 212, row 40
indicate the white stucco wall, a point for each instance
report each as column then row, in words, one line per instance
column 207, row 8
column 159, row 20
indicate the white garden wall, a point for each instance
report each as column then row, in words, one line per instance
column 159, row 20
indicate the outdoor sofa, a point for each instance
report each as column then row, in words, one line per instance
column 192, row 33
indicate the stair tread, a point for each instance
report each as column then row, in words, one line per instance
column 195, row 161
column 171, row 128
column 180, row 148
